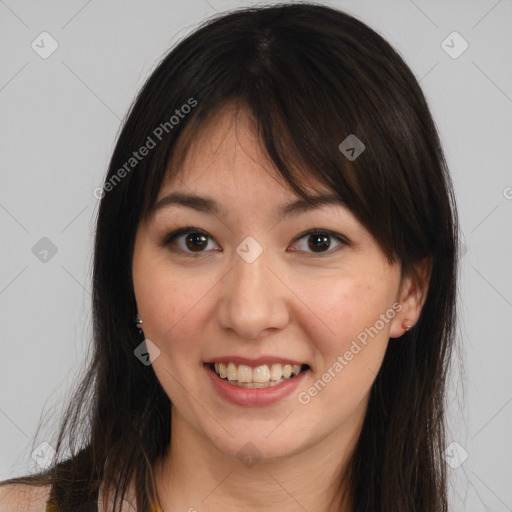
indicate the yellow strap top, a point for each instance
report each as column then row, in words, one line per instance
column 52, row 506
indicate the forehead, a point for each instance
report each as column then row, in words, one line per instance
column 227, row 154
column 224, row 170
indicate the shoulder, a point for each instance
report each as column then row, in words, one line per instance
column 23, row 498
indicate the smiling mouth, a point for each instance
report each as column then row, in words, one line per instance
column 263, row 376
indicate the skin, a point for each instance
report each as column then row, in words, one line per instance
column 291, row 302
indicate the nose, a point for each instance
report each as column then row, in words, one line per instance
column 253, row 301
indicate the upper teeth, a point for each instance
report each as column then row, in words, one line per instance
column 260, row 374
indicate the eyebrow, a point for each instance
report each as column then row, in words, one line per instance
column 209, row 205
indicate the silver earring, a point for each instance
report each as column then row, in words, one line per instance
column 138, row 323
column 406, row 326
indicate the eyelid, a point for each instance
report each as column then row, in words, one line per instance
column 320, row 231
column 181, row 231
column 170, row 237
column 344, row 241
column 192, row 229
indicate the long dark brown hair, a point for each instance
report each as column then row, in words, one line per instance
column 311, row 76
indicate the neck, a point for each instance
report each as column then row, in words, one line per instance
column 195, row 476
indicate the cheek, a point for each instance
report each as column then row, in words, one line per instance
column 165, row 306
column 172, row 306
column 356, row 315
column 346, row 308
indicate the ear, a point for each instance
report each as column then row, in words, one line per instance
column 411, row 296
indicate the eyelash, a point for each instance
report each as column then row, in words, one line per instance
column 171, row 237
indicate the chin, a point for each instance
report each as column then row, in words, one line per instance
column 259, row 447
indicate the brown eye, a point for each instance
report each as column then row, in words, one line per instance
column 196, row 241
column 319, row 242
column 190, row 241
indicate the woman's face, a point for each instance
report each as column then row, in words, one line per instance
column 243, row 284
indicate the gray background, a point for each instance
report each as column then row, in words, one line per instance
column 59, row 120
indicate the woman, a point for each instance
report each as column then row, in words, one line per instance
column 279, row 220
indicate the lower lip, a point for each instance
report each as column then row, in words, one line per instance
column 253, row 396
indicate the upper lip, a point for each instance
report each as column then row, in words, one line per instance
column 259, row 361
